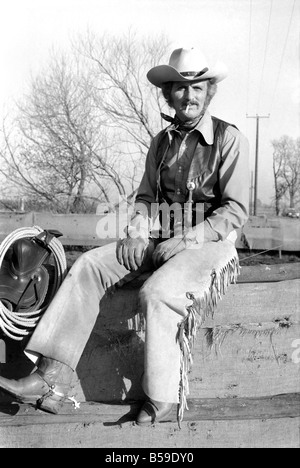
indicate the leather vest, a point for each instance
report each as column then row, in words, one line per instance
column 204, row 168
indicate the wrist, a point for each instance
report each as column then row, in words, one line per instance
column 134, row 233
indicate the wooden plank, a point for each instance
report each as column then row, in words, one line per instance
column 200, row 409
column 115, row 433
column 9, row 222
column 246, row 365
column 91, row 229
column 79, row 229
column 275, row 233
column 243, row 303
column 255, row 359
column 258, row 273
column 259, row 302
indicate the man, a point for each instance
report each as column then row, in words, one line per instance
column 197, row 167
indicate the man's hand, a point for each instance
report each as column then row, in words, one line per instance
column 167, row 249
column 132, row 252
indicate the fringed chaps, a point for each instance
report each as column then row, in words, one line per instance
column 201, row 308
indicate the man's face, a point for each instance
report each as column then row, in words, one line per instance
column 188, row 99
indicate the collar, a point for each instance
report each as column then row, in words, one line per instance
column 204, row 126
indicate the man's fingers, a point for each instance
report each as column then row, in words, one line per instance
column 131, row 259
column 130, row 253
column 119, row 252
column 139, row 255
column 126, row 262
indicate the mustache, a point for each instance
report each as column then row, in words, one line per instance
column 190, row 103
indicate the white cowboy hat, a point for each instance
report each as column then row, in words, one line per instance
column 186, row 65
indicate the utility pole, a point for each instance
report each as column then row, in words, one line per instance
column 257, row 117
column 251, row 194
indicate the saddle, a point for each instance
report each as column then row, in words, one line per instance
column 26, row 274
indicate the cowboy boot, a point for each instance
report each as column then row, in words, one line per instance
column 153, row 411
column 47, row 388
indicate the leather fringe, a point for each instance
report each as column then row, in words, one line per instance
column 200, row 309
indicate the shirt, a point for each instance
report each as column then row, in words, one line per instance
column 215, row 157
column 175, row 167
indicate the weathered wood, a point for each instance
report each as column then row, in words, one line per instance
column 276, row 233
column 243, row 303
column 79, row 229
column 255, row 358
column 114, row 429
column 259, row 273
column 260, row 233
column 246, row 366
column 259, row 302
column 260, row 323
column 243, row 366
column 200, row 409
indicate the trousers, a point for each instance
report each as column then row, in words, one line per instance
column 174, row 299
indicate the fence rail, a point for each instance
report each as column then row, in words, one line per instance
column 260, row 233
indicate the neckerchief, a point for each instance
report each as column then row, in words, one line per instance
column 178, row 124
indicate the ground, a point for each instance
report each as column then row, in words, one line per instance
column 268, row 258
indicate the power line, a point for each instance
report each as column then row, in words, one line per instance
column 265, row 55
column 249, row 52
column 283, row 52
column 265, row 51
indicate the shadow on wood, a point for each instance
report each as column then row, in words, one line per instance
column 252, row 336
column 244, row 385
column 210, row 423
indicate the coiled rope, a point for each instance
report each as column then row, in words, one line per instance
column 17, row 325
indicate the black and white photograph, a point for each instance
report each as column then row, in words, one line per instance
column 150, row 226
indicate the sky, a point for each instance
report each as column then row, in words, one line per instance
column 258, row 40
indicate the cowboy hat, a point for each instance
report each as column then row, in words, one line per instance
column 186, row 65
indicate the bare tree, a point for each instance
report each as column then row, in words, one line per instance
column 120, row 87
column 279, row 182
column 85, row 125
column 286, row 168
column 58, row 132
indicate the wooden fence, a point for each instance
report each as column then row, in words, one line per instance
column 260, row 233
column 244, row 385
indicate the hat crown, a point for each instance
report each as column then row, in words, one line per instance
column 188, row 65
column 186, row 60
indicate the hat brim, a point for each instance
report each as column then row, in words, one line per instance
column 166, row 73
